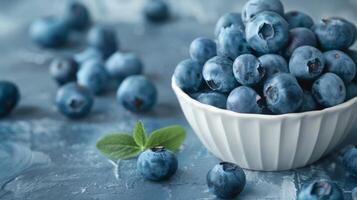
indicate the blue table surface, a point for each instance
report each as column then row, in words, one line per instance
column 43, row 155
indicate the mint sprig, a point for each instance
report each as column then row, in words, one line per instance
column 125, row 146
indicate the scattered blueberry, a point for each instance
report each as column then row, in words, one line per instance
column 9, row 97
column 244, row 99
column 248, row 70
column 49, row 32
column 218, row 74
column 137, row 94
column 227, row 20
column 74, row 101
column 215, row 99
column 329, row 90
column 232, row 43
column 92, row 75
column 321, row 190
column 306, row 63
column 188, row 75
column 309, row 103
column 298, row 19
column 299, row 37
column 104, row 39
column 341, row 64
column 157, row 164
column 77, row 16
column 350, row 161
column 89, row 53
column 121, row 65
column 226, row 180
column 351, row 91
column 283, row 94
column 254, row 7
column 267, row 32
column 202, row 49
column 272, row 64
column 64, row 70
column 156, row 10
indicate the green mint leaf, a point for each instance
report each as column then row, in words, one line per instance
column 139, row 134
column 118, row 146
column 170, row 137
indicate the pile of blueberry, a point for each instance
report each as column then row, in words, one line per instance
column 100, row 66
column 267, row 61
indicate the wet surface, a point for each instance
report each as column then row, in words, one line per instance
column 43, row 155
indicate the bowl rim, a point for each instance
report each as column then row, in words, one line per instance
column 179, row 92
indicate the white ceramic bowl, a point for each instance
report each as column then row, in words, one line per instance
column 268, row 142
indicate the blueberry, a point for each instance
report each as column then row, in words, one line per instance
column 272, row 64
column 137, row 94
column 267, row 32
column 92, row 75
column 103, row 39
column 335, row 33
column 215, row 99
column 341, row 64
column 244, row 99
column 77, row 16
column 156, row 10
column 64, row 70
column 188, row 75
column 299, row 37
column 49, row 32
column 89, row 53
column 283, row 94
column 157, row 164
column 329, row 90
column 350, row 161
column 202, row 49
column 226, row 180
column 232, row 43
column 309, row 103
column 353, row 56
column 248, row 70
column 228, row 20
column 306, row 63
column 351, row 91
column 218, row 74
column 254, row 7
column 298, row 19
column 74, row 101
column 9, row 97
column 321, row 189
column 121, row 65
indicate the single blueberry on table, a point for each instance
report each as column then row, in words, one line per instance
column 299, row 37
column 202, row 49
column 218, row 74
column 92, row 75
column 156, row 10
column 244, row 99
column 335, row 33
column 283, row 94
column 215, row 99
column 321, row 190
column 267, row 32
column 157, row 164
column 309, row 103
column 49, row 32
column 137, row 94
column 254, row 7
column 329, row 90
column 226, row 180
column 232, row 43
column 273, row 64
column 306, row 63
column 298, row 19
column 103, row 39
column 121, row 65
column 248, row 70
column 77, row 16
column 9, row 97
column 340, row 63
column 349, row 161
column 227, row 20
column 74, row 101
column 351, row 91
column 64, row 70
column 188, row 75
